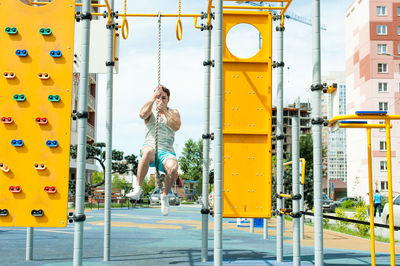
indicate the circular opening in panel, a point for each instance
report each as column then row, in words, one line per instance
column 32, row 2
column 243, row 40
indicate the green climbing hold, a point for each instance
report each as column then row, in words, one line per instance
column 11, row 30
column 45, row 31
column 54, row 98
column 19, row 97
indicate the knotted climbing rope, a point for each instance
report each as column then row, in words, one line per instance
column 159, row 178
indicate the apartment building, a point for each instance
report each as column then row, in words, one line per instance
column 373, row 83
column 334, row 104
column 304, row 111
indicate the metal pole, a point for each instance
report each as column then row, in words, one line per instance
column 279, row 151
column 371, row 200
column 29, row 244
column 295, row 188
column 218, row 135
column 265, row 228
column 206, row 145
column 82, row 124
column 109, row 122
column 251, row 225
column 316, row 132
column 390, row 192
column 130, row 174
column 302, row 209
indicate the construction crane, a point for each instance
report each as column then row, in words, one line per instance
column 288, row 14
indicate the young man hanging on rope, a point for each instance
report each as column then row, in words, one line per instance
column 169, row 122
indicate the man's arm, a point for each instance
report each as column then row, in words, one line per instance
column 174, row 119
column 146, row 110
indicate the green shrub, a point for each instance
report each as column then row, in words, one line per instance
column 148, row 186
column 341, row 225
column 359, row 203
column 347, row 204
column 361, row 215
column 326, row 222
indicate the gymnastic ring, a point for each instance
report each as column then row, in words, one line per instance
column 179, row 29
column 125, row 28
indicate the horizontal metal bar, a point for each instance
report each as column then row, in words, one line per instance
column 162, row 15
column 77, row 4
column 396, row 228
column 285, row 196
column 254, row 7
column 363, row 117
column 344, row 125
column 274, row 1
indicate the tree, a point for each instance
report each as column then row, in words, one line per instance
column 191, row 161
column 96, row 151
column 306, row 152
column 148, row 186
column 119, row 182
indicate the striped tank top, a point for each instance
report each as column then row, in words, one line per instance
column 166, row 135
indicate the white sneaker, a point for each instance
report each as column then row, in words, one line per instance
column 136, row 193
column 164, row 204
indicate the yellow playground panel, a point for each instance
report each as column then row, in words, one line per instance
column 247, row 122
column 35, row 112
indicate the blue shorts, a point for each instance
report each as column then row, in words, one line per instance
column 162, row 156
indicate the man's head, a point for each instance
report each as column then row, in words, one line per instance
column 376, row 191
column 166, row 90
column 165, row 94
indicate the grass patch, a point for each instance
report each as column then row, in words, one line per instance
column 352, row 232
column 288, row 218
column 350, row 209
column 188, row 202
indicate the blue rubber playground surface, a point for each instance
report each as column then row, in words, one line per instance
column 142, row 236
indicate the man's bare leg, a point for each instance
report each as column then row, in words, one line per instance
column 144, row 162
column 143, row 168
column 171, row 169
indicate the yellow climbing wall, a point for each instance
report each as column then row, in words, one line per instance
column 36, row 95
column 247, row 122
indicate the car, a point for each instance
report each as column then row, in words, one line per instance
column 328, row 204
column 178, row 200
column 154, row 197
column 339, row 202
column 396, row 212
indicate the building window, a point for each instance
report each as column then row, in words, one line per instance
column 383, row 106
column 381, row 29
column 382, row 87
column 382, row 68
column 382, row 48
column 383, row 166
column 382, row 129
column 384, row 185
column 382, row 145
column 398, row 30
column 381, row 11
column 398, row 11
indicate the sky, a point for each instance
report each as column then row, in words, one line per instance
column 183, row 73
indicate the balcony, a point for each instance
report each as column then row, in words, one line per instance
column 91, row 102
column 90, row 133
